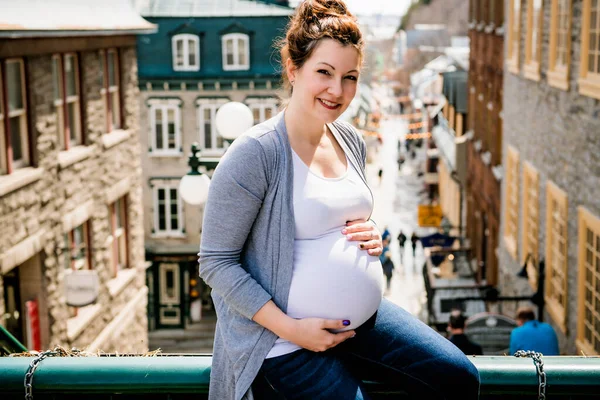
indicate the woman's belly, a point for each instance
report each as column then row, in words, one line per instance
column 334, row 279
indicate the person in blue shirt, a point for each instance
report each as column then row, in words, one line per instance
column 533, row 335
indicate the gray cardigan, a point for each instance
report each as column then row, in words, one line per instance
column 246, row 252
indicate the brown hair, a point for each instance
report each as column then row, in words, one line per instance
column 315, row 20
column 525, row 314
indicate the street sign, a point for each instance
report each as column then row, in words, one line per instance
column 429, row 215
column 81, row 287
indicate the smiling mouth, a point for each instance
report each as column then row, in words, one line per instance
column 329, row 105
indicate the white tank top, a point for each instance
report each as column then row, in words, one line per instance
column 332, row 277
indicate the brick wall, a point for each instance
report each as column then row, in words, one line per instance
column 557, row 132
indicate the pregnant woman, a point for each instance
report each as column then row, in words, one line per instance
column 291, row 254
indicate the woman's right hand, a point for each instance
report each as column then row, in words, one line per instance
column 314, row 333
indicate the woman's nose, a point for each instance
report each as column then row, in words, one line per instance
column 336, row 88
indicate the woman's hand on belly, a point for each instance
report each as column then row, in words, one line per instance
column 314, row 333
column 365, row 232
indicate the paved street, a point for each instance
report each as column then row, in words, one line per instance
column 396, row 200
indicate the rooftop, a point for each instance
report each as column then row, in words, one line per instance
column 43, row 18
column 209, row 8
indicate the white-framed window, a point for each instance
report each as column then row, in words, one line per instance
column 119, row 235
column 168, row 208
column 262, row 108
column 65, row 74
column 165, row 126
column 15, row 141
column 210, row 141
column 186, row 52
column 236, row 52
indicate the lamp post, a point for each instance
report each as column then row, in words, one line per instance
column 232, row 119
column 193, row 187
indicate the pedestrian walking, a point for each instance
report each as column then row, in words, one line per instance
column 387, row 264
column 380, row 175
column 533, row 335
column 401, row 241
column 386, row 235
column 414, row 239
column 456, row 329
column 286, row 252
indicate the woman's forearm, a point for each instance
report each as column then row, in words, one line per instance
column 271, row 317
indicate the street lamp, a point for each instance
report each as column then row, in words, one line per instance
column 193, row 187
column 233, row 119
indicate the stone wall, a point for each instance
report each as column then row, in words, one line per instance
column 83, row 181
column 557, row 132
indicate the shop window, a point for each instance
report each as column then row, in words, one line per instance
column 533, row 43
column 531, row 221
column 589, row 70
column 588, row 315
column 514, row 33
column 556, row 254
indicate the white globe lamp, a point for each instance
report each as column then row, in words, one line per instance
column 233, row 119
column 193, row 187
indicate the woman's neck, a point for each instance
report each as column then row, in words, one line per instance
column 301, row 127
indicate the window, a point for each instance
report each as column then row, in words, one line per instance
column 186, row 52
column 531, row 220
column 556, row 254
column 119, row 235
column 168, row 210
column 560, row 44
column 3, row 149
column 236, row 52
column 533, row 45
column 165, row 126
column 15, row 137
column 111, row 92
column 589, row 72
column 210, row 140
column 511, row 201
column 514, row 33
column 262, row 109
column 65, row 75
column 588, row 315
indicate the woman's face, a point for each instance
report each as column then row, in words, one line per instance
column 326, row 83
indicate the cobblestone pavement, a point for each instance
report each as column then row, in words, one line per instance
column 396, row 201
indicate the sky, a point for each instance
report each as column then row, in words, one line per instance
column 369, row 7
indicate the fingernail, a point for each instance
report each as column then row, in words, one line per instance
column 346, row 322
column 344, row 231
column 349, row 237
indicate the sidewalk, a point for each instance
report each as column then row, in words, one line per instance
column 396, row 201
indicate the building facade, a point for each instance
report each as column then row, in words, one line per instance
column 70, row 178
column 202, row 57
column 550, row 204
column 485, row 120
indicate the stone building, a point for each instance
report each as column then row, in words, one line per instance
column 484, row 150
column 205, row 54
column 550, row 198
column 70, row 174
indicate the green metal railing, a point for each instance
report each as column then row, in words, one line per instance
column 187, row 377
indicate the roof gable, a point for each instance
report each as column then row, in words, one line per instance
column 209, row 8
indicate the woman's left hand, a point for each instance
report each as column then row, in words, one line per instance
column 365, row 232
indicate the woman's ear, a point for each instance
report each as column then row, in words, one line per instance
column 290, row 70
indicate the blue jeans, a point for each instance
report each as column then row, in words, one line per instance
column 393, row 346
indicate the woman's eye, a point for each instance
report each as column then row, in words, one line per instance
column 352, row 78
column 323, row 71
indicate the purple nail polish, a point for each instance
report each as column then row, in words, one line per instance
column 346, row 322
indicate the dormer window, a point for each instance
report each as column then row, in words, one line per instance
column 186, row 52
column 236, row 52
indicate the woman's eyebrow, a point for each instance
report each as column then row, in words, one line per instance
column 333, row 68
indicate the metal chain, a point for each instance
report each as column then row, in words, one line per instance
column 539, row 367
column 28, row 381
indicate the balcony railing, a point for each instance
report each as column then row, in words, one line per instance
column 186, row 377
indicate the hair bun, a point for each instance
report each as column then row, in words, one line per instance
column 317, row 9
